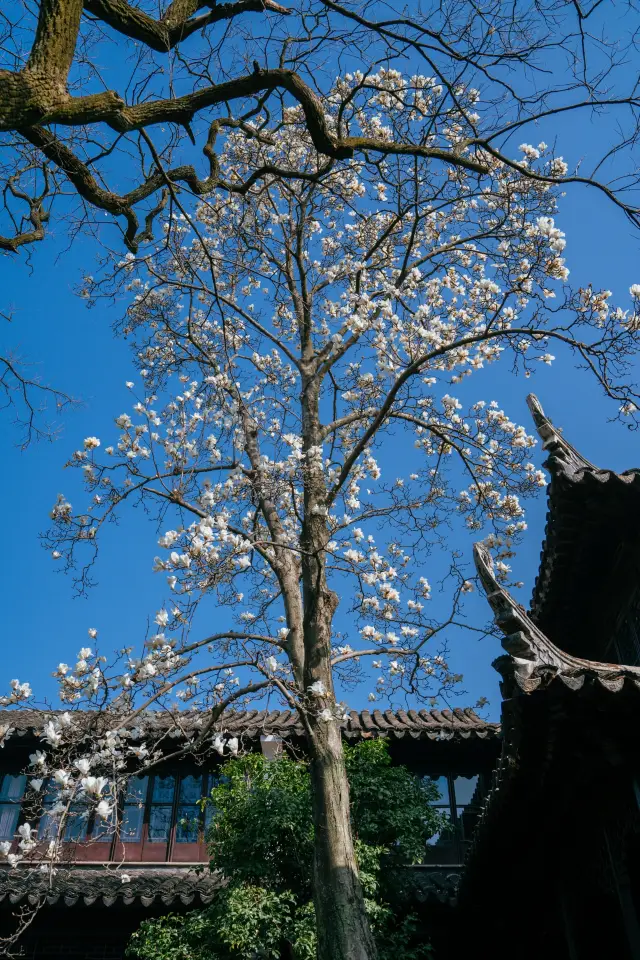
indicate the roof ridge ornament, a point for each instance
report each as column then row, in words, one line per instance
column 553, row 439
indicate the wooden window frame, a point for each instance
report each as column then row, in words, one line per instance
column 171, row 850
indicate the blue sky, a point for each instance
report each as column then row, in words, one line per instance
column 74, row 348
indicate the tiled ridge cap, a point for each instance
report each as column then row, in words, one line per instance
column 432, row 724
column 88, row 884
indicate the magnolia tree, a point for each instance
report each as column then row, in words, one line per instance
column 298, row 429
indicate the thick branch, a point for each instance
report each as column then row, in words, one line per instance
column 178, row 22
column 55, row 41
column 108, row 108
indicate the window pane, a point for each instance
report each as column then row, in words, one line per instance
column 159, row 823
column 445, row 835
column 136, row 790
column 209, row 813
column 467, row 819
column 51, row 793
column 76, row 823
column 12, row 787
column 216, row 780
column 163, row 788
column 442, row 785
column 190, row 789
column 103, row 830
column 188, row 824
column 443, row 847
column 465, row 788
column 9, row 813
column 48, row 828
column 131, row 827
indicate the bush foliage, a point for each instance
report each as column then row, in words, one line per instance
column 261, row 841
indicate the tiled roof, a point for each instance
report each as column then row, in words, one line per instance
column 590, row 511
column 532, row 660
column 99, row 883
column 459, row 723
column 167, row 884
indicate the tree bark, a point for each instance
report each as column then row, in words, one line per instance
column 341, row 920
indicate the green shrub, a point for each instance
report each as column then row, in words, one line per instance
column 261, row 842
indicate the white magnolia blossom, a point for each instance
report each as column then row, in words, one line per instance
column 63, row 778
column 94, row 785
column 27, row 835
column 19, row 693
column 52, row 734
column 104, row 810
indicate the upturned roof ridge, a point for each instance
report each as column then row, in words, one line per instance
column 554, row 441
column 532, row 660
column 563, row 456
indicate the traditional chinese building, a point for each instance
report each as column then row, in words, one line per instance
column 542, row 858
column 89, row 913
column 554, row 865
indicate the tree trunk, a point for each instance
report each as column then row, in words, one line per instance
column 341, row 920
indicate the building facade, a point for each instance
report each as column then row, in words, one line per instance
column 88, row 912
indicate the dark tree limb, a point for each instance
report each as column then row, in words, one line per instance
column 179, row 21
column 39, row 96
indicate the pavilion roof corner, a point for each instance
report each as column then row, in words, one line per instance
column 533, row 662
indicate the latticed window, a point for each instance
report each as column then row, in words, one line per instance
column 76, row 818
column 189, row 816
column 161, row 808
column 48, row 828
column 158, row 809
